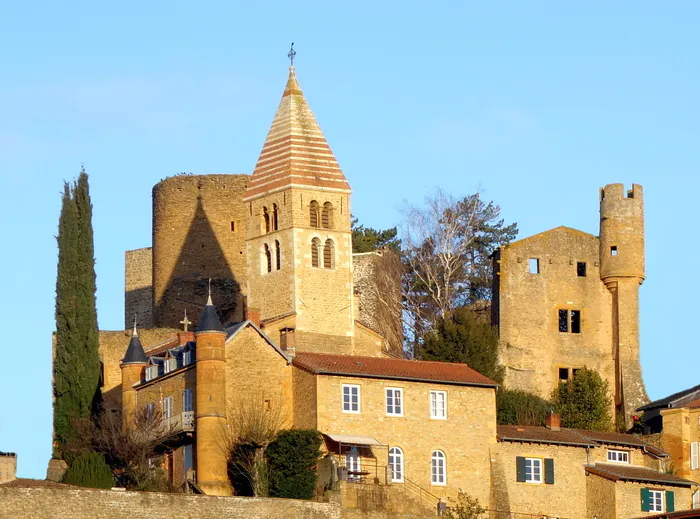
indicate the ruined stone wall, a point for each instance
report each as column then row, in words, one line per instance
column 377, row 281
column 198, row 233
column 138, row 288
column 8, row 466
column 532, row 347
column 69, row 503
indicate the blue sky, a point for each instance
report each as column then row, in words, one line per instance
column 537, row 104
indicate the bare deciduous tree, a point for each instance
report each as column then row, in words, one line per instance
column 254, row 423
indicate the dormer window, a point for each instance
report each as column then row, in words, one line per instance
column 617, row 456
column 186, row 357
column 151, row 372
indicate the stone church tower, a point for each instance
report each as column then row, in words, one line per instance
column 298, row 234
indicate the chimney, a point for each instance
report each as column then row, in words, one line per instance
column 553, row 422
column 253, row 315
column 287, row 340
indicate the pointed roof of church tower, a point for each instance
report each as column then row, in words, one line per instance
column 295, row 152
column 209, row 321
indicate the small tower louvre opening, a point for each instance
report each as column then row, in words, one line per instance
column 314, row 214
column 328, row 259
column 315, row 244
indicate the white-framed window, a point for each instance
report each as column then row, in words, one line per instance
column 396, row 464
column 167, row 407
column 533, row 470
column 394, row 401
column 187, row 400
column 618, row 456
column 352, row 463
column 438, row 405
column 696, row 499
column 694, row 465
column 438, row 468
column 150, row 412
column 170, row 365
column 151, row 372
column 656, row 501
column 351, row 398
column 187, row 357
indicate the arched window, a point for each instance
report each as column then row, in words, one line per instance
column 438, row 468
column 327, row 216
column 396, row 464
column 274, row 217
column 266, row 220
column 352, row 463
column 268, row 257
column 314, row 215
column 328, row 253
column 315, row 245
column 278, row 257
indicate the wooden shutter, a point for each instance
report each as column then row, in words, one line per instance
column 694, row 456
column 549, row 471
column 645, row 499
column 520, row 469
column 670, row 501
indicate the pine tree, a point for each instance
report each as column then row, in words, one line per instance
column 76, row 359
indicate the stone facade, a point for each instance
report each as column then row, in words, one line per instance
column 564, row 299
column 8, row 466
column 681, row 428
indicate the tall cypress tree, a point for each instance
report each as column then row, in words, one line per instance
column 76, row 357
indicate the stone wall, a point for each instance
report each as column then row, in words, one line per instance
column 628, row 498
column 8, row 466
column 600, row 497
column 54, row 503
column 681, row 427
column 532, row 347
column 198, row 233
column 138, row 288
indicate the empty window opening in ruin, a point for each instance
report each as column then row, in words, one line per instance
column 233, row 226
column 613, row 250
column 581, row 269
column 570, row 321
column 563, row 374
column 534, row 265
column 574, row 372
column 630, row 193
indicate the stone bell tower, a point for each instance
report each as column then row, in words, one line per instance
column 622, row 272
column 298, row 233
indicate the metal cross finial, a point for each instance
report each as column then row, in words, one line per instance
column 134, row 333
column 209, row 302
column 185, row 322
column 291, row 55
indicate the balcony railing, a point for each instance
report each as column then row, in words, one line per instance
column 183, row 422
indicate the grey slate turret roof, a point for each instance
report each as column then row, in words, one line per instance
column 135, row 353
column 209, row 321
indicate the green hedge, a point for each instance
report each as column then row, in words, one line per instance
column 89, row 470
column 516, row 407
column 292, row 461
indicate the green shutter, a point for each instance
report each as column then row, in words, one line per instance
column 670, row 501
column 549, row 471
column 520, row 469
column 645, row 500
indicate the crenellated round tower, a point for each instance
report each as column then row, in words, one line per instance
column 622, row 270
column 198, row 234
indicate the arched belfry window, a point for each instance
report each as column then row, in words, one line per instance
column 328, row 254
column 314, row 214
column 274, row 217
column 266, row 220
column 315, row 245
column 268, row 257
column 327, row 216
column 278, row 255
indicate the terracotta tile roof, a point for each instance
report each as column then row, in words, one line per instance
column 620, row 471
column 382, row 367
column 530, row 433
column 693, row 405
column 295, row 151
column 573, row 437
